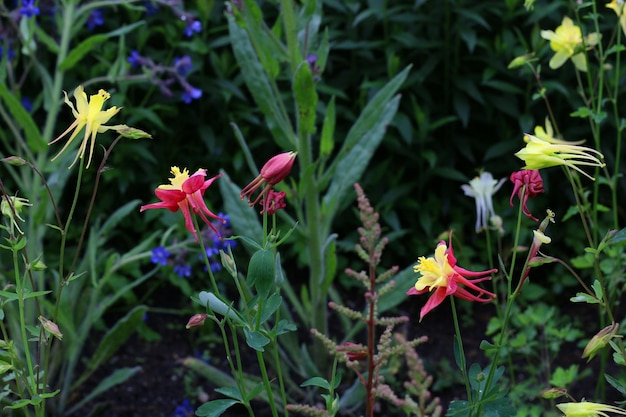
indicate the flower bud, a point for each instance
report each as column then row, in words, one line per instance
column 18, row 204
column 278, row 167
column 599, row 341
column 51, row 327
column 196, row 320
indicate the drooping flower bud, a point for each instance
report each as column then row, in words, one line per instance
column 274, row 171
column 196, row 320
column 51, row 327
column 600, row 340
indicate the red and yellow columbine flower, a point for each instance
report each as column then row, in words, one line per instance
column 186, row 193
column 568, row 42
column 274, row 171
column 618, row 8
column 441, row 275
column 539, row 154
column 88, row 114
column 587, row 409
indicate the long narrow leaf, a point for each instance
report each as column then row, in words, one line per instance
column 352, row 165
column 259, row 85
column 33, row 136
column 118, row 376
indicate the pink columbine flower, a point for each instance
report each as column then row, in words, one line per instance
column 442, row 275
column 186, row 193
column 527, row 184
column 274, row 171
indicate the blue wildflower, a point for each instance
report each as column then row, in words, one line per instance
column 192, row 26
column 182, row 270
column 159, row 255
column 182, row 65
column 8, row 53
column 190, row 94
column 29, row 9
column 95, row 19
column 183, row 410
column 134, row 59
column 27, row 104
column 151, row 8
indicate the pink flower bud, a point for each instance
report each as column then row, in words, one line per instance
column 196, row 320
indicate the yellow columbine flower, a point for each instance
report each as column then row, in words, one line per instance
column 586, row 409
column 618, row 8
column 568, row 42
column 540, row 154
column 88, row 114
column 547, row 134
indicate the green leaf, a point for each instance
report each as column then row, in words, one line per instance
column 117, row 336
column 316, row 381
column 350, row 166
column 597, row 289
column 261, row 272
column 215, row 408
column 118, row 377
column 305, row 97
column 260, row 86
column 284, row 326
column 255, row 340
column 89, row 44
column 404, row 280
column 120, row 214
column 617, row 238
column 232, row 392
column 31, row 131
column 562, row 378
column 582, row 297
column 270, row 306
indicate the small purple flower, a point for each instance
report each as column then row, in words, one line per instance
column 190, row 94
column 193, row 26
column 29, row 9
column 183, row 64
column 27, row 104
column 183, row 410
column 135, row 59
column 159, row 255
column 95, row 19
column 311, row 59
column 182, row 270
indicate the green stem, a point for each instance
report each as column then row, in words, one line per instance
column 266, row 382
column 459, row 341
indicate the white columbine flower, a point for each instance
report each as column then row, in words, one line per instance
column 482, row 188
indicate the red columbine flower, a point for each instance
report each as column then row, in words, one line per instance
column 183, row 193
column 526, row 184
column 273, row 202
column 441, row 275
column 274, row 171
